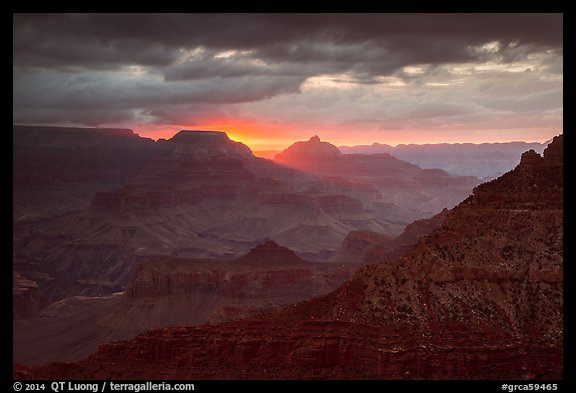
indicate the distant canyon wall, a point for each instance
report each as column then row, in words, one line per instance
column 484, row 160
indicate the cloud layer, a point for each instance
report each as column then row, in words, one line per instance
column 371, row 75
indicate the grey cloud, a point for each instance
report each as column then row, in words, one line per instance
column 106, row 39
column 86, row 91
column 528, row 103
column 53, row 41
column 186, row 114
column 70, row 67
column 207, row 65
column 433, row 109
column 307, row 59
column 554, row 64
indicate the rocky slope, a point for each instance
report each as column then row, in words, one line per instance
column 479, row 298
column 170, row 291
column 411, row 188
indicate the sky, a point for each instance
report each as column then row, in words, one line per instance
column 269, row 80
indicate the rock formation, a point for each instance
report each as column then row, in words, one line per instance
column 481, row 297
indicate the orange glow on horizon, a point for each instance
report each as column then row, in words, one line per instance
column 257, row 136
column 277, row 137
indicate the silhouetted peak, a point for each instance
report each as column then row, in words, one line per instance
column 268, row 245
column 530, row 158
column 207, row 145
column 555, row 150
column 536, row 183
column 553, row 154
column 197, row 136
column 311, row 149
column 270, row 252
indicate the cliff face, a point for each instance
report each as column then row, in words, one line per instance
column 58, row 169
column 480, row 297
column 206, row 145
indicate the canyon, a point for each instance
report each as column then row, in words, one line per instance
column 88, row 203
column 480, row 297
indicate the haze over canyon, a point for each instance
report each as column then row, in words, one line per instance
column 138, row 235
column 288, row 196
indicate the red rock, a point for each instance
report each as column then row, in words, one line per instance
column 56, row 169
column 481, row 297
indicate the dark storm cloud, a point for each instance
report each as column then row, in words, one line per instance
column 64, row 41
column 107, row 68
column 305, row 59
column 100, row 40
